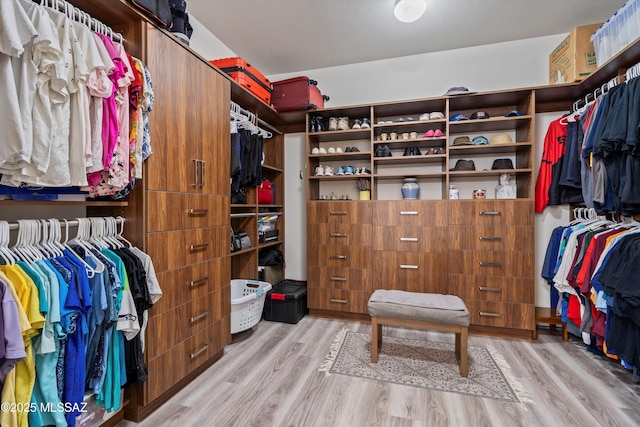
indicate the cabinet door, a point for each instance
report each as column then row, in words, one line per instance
column 173, row 121
column 214, row 147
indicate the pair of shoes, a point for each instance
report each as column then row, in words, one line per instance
column 320, row 150
column 340, row 171
column 431, row 116
column 316, row 124
column 432, row 151
column 351, row 150
column 382, row 151
column 338, row 123
column 432, row 133
column 320, row 171
column 362, row 171
column 412, row 151
column 361, row 124
column 328, row 171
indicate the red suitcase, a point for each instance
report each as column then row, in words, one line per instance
column 246, row 76
column 298, row 93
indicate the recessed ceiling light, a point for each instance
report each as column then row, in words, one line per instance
column 409, row 10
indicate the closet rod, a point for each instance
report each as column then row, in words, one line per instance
column 64, row 6
column 71, row 223
column 241, row 215
column 267, row 125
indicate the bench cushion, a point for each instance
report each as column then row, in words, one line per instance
column 436, row 308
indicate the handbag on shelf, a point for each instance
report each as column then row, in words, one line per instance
column 157, row 10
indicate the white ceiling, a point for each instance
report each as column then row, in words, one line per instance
column 281, row 36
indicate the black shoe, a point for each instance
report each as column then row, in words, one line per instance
column 408, row 152
column 355, row 150
column 386, row 151
column 348, row 150
column 319, row 124
column 379, row 151
column 312, row 124
column 416, row 151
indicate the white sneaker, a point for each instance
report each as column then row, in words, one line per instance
column 338, row 150
column 343, row 123
column 333, row 123
column 315, row 150
column 320, row 171
column 331, row 150
column 323, row 150
column 328, row 171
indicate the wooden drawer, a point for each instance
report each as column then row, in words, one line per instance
column 339, row 234
column 191, row 282
column 491, row 263
column 410, row 239
column 174, row 326
column 170, row 367
column 174, row 249
column 349, row 212
column 410, row 213
column 338, row 300
column 501, row 314
column 414, row 272
column 492, row 288
column 177, row 211
column 339, row 256
column 491, row 212
column 491, row 238
column 357, row 279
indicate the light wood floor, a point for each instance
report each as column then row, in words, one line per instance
column 269, row 377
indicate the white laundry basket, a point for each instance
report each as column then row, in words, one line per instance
column 247, row 302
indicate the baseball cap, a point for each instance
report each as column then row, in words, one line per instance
column 480, row 140
column 514, row 113
column 500, row 139
column 458, row 117
column 436, row 115
column 464, row 165
column 502, row 164
column 458, row 90
column 479, row 115
column 461, row 140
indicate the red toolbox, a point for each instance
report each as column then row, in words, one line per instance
column 246, row 76
column 297, row 93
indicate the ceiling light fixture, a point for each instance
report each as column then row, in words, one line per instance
column 409, row 10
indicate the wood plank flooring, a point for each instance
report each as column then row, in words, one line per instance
column 269, row 377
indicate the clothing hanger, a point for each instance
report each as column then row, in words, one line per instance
column 112, row 231
column 20, row 247
column 90, row 271
column 119, row 235
column 54, row 237
column 5, row 236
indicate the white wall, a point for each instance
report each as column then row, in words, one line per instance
column 516, row 64
column 205, row 43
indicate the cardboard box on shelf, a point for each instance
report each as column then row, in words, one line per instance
column 574, row 58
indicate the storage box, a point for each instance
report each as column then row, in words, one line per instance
column 268, row 236
column 574, row 58
column 270, row 273
column 286, row 302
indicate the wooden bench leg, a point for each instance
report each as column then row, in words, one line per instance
column 464, row 336
column 565, row 333
column 458, row 340
column 376, row 338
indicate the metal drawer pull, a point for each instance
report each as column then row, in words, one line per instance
column 202, row 173
column 491, row 239
column 487, row 314
column 338, row 213
column 485, row 288
column 199, row 316
column 490, row 264
column 198, row 212
column 408, row 239
column 408, row 267
column 338, row 257
column 408, row 212
column 199, row 352
column 198, row 282
column 490, row 213
column 337, row 278
column 201, row 247
column 338, row 234
column 340, row 301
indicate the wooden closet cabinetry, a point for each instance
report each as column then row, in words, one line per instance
column 187, row 215
column 339, row 256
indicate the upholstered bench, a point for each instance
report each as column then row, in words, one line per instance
column 435, row 312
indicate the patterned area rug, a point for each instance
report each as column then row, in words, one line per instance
column 425, row 364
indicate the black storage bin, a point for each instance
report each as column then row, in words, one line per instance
column 286, row 302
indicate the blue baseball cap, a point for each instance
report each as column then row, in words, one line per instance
column 480, row 140
column 514, row 113
column 458, row 117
